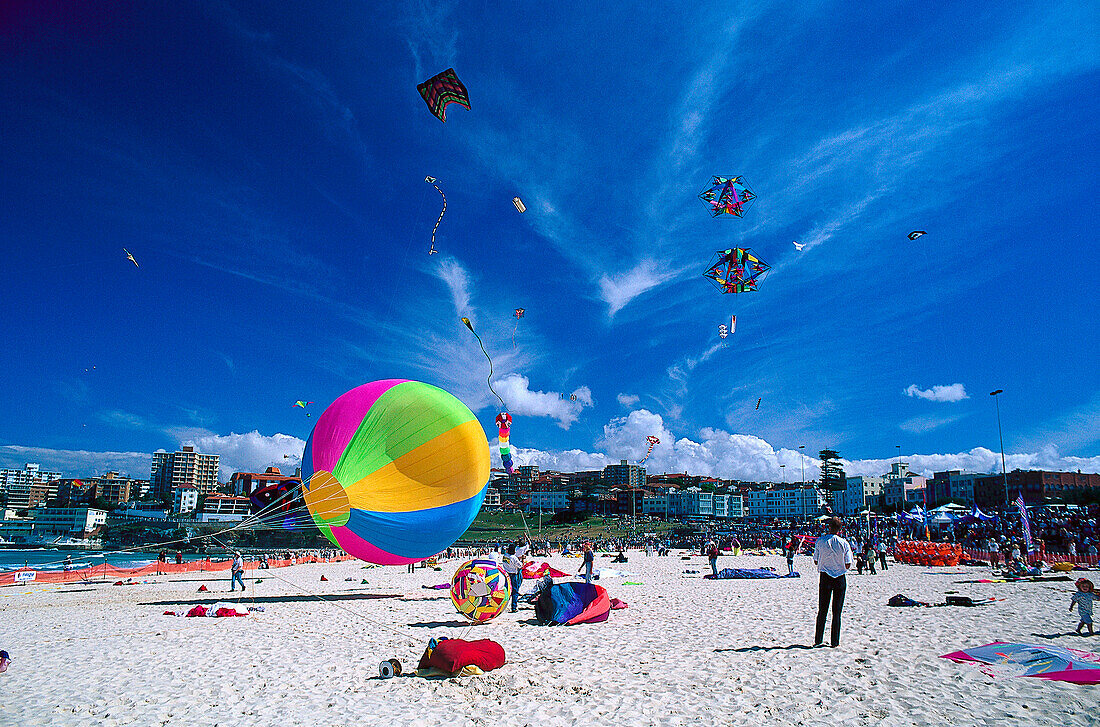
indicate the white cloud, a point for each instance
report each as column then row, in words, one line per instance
column 980, row 460
column 77, row 462
column 628, row 400
column 618, row 291
column 718, row 453
column 516, row 392
column 951, row 392
column 247, row 452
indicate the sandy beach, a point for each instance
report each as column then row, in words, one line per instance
column 687, row 651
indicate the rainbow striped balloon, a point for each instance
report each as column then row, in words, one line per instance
column 395, row 471
column 480, row 589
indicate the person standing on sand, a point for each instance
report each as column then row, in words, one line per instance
column 792, row 548
column 712, row 556
column 882, row 553
column 238, row 572
column 833, row 557
column 1084, row 598
column 586, row 565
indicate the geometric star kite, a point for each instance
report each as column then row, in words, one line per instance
column 727, row 196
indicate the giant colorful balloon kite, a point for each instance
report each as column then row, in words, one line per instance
column 395, row 471
column 504, row 430
column 652, row 442
column 432, row 181
column 442, row 89
column 480, row 590
column 727, row 196
column 736, row 270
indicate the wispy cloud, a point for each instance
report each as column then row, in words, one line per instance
column 628, row 400
column 922, row 424
column 618, row 290
column 457, row 278
column 949, row 392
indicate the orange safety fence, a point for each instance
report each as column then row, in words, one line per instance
column 104, row 571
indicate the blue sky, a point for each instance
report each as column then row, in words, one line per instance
column 265, row 165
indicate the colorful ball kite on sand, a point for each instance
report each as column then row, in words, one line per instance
column 480, row 590
column 395, row 471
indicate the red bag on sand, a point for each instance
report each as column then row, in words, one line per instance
column 197, row 611
column 118, row 583
column 452, row 655
column 202, row 588
column 323, row 578
column 616, row 604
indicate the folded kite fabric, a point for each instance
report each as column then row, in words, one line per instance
column 728, row 573
column 452, row 655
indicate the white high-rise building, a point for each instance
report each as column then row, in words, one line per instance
column 183, row 468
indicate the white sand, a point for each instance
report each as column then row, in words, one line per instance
column 686, row 652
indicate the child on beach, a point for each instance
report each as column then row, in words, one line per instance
column 1084, row 598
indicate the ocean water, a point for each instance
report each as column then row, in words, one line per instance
column 54, row 559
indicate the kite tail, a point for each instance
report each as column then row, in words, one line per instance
column 441, row 213
column 489, row 378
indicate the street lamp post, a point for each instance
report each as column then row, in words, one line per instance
column 1000, row 436
column 783, row 469
column 802, row 460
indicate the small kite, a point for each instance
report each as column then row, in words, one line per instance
column 520, row 206
column 736, row 270
column 758, row 403
column 130, row 256
column 517, row 315
column 504, row 429
column 916, row 233
column 727, row 196
column 723, row 330
column 303, row 404
column 798, row 245
column 442, row 89
column 432, row 181
column 489, row 378
column 651, row 442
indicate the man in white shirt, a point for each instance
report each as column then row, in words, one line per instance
column 833, row 557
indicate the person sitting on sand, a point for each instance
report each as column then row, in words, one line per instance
column 620, row 558
column 4, row 661
column 1084, row 598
